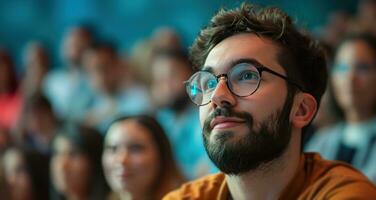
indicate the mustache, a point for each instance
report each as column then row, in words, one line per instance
column 226, row 111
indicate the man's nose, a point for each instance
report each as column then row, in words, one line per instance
column 222, row 94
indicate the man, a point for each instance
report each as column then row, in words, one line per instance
column 116, row 93
column 259, row 88
column 68, row 88
column 175, row 112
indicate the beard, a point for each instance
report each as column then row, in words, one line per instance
column 256, row 148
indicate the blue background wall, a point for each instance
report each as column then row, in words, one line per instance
column 127, row 21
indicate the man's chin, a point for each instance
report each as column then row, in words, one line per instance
column 223, row 136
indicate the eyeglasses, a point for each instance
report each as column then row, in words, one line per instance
column 361, row 68
column 242, row 80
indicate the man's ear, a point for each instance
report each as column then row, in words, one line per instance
column 304, row 109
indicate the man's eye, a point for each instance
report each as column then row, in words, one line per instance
column 248, row 75
column 211, row 84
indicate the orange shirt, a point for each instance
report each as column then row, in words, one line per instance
column 316, row 179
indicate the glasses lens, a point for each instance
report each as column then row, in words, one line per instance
column 200, row 86
column 244, row 79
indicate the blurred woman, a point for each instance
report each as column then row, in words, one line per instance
column 138, row 161
column 25, row 175
column 76, row 164
column 353, row 79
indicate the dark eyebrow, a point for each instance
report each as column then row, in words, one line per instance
column 233, row 63
column 246, row 60
column 207, row 69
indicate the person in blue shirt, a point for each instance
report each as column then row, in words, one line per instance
column 177, row 115
column 353, row 78
column 116, row 93
column 67, row 88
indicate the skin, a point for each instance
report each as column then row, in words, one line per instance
column 166, row 37
column 269, row 98
column 75, row 42
column 130, row 160
column 37, row 63
column 16, row 176
column 104, row 71
column 168, row 76
column 70, row 170
column 353, row 87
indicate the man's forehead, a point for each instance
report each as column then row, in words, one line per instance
column 241, row 47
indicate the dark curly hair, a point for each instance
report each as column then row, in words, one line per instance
column 302, row 58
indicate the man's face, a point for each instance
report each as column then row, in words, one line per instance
column 167, row 81
column 243, row 133
column 74, row 45
column 102, row 69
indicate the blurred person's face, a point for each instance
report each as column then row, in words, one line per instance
column 237, row 129
column 168, row 76
column 354, row 77
column 17, row 176
column 70, row 168
column 103, row 70
column 74, row 44
column 166, row 38
column 130, row 159
column 36, row 64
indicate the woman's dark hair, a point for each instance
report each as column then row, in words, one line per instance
column 89, row 142
column 38, row 166
column 168, row 169
column 7, row 61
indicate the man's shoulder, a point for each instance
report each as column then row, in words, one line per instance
column 207, row 187
column 319, row 167
column 334, row 178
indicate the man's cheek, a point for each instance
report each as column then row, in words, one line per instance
column 203, row 114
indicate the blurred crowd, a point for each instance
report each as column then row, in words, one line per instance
column 109, row 125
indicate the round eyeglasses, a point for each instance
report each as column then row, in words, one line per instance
column 242, row 80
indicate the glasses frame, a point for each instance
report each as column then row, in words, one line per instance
column 260, row 68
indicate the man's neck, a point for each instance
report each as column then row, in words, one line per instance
column 268, row 181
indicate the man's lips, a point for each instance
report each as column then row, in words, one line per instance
column 225, row 122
